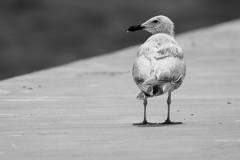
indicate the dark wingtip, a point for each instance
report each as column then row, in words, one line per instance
column 135, row 28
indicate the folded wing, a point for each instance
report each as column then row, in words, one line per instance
column 160, row 65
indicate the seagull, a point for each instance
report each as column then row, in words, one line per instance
column 159, row 67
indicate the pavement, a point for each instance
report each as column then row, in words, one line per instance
column 85, row 110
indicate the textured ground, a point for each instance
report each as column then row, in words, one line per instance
column 85, row 110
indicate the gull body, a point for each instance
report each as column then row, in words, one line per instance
column 159, row 67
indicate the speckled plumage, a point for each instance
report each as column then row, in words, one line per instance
column 159, row 66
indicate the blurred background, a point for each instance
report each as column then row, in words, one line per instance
column 38, row 34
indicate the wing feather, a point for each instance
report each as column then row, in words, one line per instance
column 159, row 66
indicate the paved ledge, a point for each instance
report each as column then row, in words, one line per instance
column 85, row 110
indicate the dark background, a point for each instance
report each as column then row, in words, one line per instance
column 37, row 34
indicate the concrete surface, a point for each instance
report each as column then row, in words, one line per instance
column 85, row 110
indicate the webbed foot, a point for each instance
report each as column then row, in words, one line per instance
column 170, row 122
column 143, row 123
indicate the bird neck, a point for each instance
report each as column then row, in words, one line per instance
column 168, row 32
column 167, row 28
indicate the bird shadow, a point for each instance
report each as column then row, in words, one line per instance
column 158, row 125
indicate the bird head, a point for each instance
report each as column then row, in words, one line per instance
column 158, row 24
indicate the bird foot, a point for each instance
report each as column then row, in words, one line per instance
column 170, row 122
column 143, row 123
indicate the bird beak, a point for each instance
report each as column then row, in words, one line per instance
column 135, row 28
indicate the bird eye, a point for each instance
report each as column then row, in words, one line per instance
column 155, row 21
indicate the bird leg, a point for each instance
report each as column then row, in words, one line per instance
column 168, row 121
column 145, row 122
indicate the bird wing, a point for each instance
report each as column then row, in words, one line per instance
column 168, row 66
column 167, row 70
column 162, row 44
column 158, row 63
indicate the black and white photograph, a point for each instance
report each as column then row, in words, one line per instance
column 119, row 79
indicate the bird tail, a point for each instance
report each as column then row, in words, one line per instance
column 154, row 81
column 141, row 96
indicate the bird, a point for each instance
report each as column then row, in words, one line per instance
column 159, row 67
